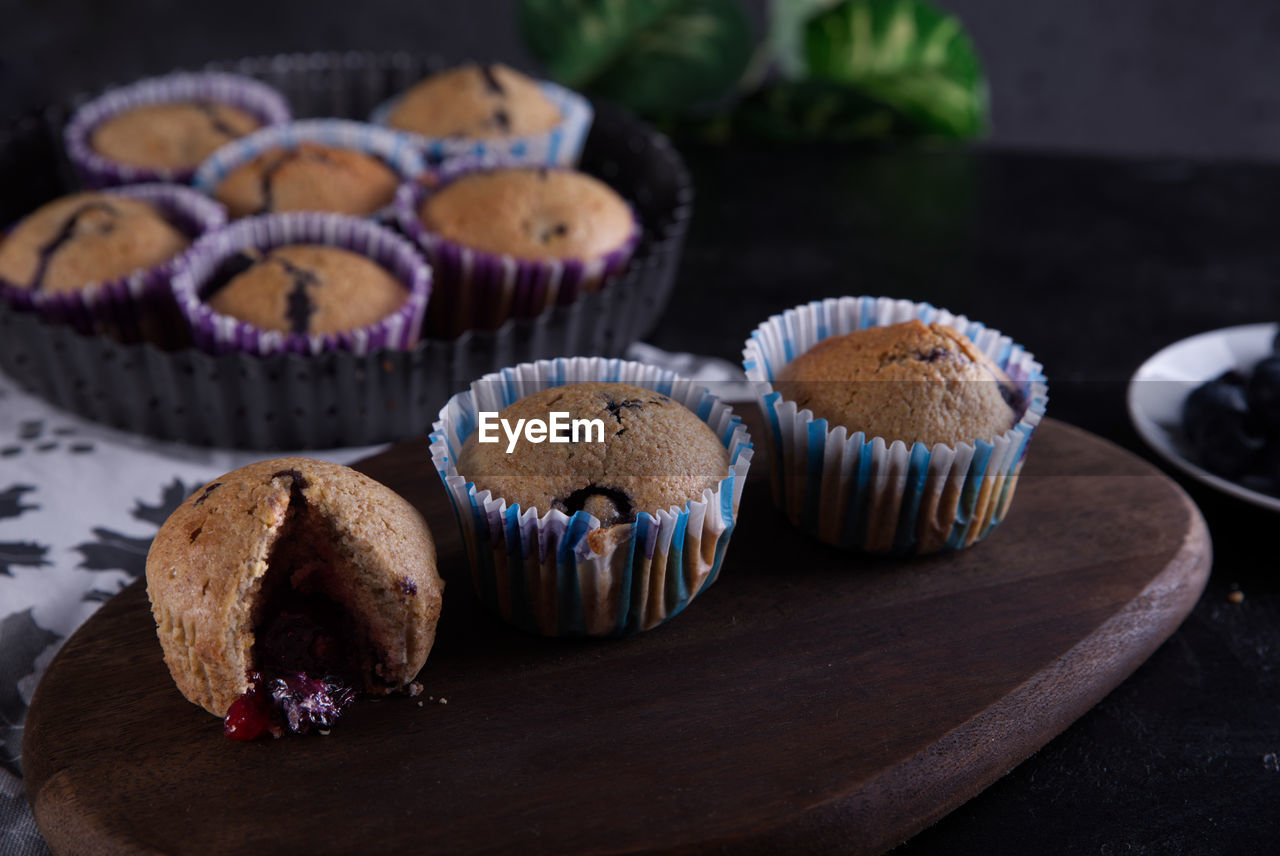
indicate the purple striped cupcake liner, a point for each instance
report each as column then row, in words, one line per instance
column 479, row 290
column 395, row 149
column 865, row 493
column 139, row 305
column 559, row 146
column 218, row 333
column 254, row 97
column 542, row 571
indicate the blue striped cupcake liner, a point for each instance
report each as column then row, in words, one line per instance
column 560, row 146
column 139, row 305
column 254, row 97
column 395, row 149
column 859, row 492
column 218, row 333
column 479, row 290
column 541, row 572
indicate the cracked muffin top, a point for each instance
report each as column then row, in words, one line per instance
column 175, row 135
column 530, row 213
column 656, row 454
column 308, row 177
column 908, row 382
column 85, row 238
column 475, row 101
column 307, row 288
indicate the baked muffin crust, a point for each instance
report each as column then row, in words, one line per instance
column 300, row 526
column 530, row 213
column 175, row 135
column 656, row 454
column 310, row 289
column 475, row 101
column 85, row 238
column 908, row 382
column 308, row 177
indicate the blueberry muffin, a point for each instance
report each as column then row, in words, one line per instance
column 307, row 288
column 282, row 589
column 530, row 213
column 86, row 238
column 177, row 135
column 308, row 177
column 475, row 101
column 908, row 382
column 654, row 454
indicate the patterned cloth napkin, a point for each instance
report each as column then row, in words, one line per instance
column 79, row 505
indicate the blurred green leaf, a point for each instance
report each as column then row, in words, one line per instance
column 818, row 110
column 906, row 54
column 786, row 32
column 656, row 56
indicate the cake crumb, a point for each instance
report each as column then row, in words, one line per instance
column 443, row 700
column 1235, row 596
column 420, row 704
column 415, row 689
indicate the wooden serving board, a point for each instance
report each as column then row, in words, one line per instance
column 811, row 700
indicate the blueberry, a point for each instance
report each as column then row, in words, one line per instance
column 1221, row 429
column 1264, row 392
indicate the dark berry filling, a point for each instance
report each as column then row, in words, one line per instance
column 75, row 225
column 609, row 504
column 309, row 651
column 490, row 79
column 306, row 671
column 215, row 120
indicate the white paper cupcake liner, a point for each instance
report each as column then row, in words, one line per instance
column 859, row 492
column 254, row 97
column 540, row 571
column 395, row 149
column 560, row 146
column 217, row 333
column 140, row 304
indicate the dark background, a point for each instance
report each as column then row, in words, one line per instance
column 1097, row 261
column 1182, row 77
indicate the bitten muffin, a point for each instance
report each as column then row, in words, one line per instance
column 479, row 101
column 308, row 288
column 530, row 213
column 655, row 454
column 86, row 238
column 908, row 382
column 282, row 588
column 176, row 135
column 308, row 177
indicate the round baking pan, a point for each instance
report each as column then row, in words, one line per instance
column 337, row 399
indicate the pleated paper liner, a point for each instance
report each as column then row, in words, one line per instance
column 289, row 401
column 858, row 492
column 539, row 569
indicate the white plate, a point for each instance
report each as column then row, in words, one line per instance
column 1161, row 384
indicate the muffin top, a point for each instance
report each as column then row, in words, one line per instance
column 908, row 382
column 655, row 453
column 176, row 135
column 308, row 177
column 308, row 289
column 85, row 238
column 475, row 101
column 530, row 213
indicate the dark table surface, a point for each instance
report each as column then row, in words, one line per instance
column 1093, row 265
